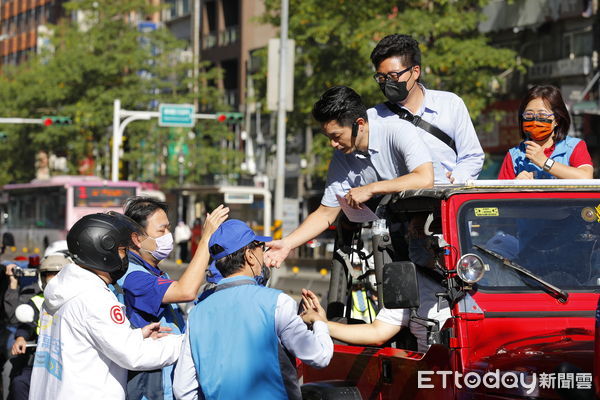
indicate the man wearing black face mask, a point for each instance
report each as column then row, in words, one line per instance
column 86, row 343
column 442, row 118
column 243, row 334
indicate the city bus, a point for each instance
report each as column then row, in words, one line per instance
column 42, row 211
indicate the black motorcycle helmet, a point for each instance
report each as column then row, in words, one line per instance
column 95, row 239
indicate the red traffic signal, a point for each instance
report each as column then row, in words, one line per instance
column 48, row 120
column 221, row 117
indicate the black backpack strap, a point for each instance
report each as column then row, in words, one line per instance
column 426, row 126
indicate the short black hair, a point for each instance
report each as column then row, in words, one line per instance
column 235, row 261
column 139, row 208
column 341, row 104
column 403, row 46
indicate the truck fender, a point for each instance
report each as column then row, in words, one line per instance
column 330, row 390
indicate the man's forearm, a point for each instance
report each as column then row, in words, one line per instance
column 361, row 334
column 420, row 178
column 193, row 276
column 316, row 223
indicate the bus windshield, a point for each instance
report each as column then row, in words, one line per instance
column 557, row 240
column 42, row 207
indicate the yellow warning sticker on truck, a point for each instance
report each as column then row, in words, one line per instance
column 486, row 212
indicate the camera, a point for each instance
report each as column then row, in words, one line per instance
column 24, row 272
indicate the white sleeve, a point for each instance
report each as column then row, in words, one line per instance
column 185, row 378
column 405, row 139
column 315, row 347
column 399, row 317
column 337, row 180
column 109, row 329
column 470, row 157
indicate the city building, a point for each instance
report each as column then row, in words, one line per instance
column 22, row 25
column 229, row 34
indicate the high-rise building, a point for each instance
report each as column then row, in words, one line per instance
column 229, row 33
column 21, row 22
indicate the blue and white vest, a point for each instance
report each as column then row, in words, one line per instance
column 562, row 153
column 234, row 345
column 171, row 317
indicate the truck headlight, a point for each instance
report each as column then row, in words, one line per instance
column 470, row 268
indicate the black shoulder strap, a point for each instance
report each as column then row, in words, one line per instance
column 426, row 126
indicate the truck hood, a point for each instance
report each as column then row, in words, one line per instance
column 537, row 361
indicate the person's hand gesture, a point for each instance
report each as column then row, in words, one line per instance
column 524, row 175
column 10, row 272
column 358, row 195
column 278, row 251
column 535, row 153
column 214, row 220
column 155, row 331
column 313, row 311
column 19, row 346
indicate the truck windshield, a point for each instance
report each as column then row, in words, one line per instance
column 557, row 240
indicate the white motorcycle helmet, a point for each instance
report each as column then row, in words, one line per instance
column 52, row 263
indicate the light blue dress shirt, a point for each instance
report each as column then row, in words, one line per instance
column 448, row 112
column 395, row 149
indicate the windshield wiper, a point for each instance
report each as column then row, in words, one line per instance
column 558, row 293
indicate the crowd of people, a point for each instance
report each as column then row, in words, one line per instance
column 105, row 316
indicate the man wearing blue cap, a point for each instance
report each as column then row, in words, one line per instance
column 242, row 339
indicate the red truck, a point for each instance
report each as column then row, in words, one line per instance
column 519, row 264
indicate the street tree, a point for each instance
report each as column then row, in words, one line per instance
column 102, row 56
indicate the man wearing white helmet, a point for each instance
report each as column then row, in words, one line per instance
column 28, row 314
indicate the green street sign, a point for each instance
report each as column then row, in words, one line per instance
column 176, row 115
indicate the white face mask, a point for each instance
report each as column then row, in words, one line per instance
column 164, row 246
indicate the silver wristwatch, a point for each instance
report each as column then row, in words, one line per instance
column 548, row 164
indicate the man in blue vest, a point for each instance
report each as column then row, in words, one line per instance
column 149, row 294
column 241, row 339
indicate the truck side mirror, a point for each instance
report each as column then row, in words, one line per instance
column 400, row 287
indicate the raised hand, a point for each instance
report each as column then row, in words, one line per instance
column 214, row 220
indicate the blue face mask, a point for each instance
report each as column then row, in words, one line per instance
column 264, row 276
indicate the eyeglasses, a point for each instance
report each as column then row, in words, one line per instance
column 394, row 75
column 530, row 116
column 260, row 245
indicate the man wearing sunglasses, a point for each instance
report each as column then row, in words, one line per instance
column 442, row 118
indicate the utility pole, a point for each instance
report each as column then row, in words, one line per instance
column 196, row 21
column 281, row 115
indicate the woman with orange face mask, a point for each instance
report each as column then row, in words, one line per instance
column 547, row 152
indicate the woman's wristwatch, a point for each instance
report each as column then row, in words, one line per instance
column 548, row 164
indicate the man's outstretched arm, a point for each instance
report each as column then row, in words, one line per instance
column 374, row 334
column 316, row 223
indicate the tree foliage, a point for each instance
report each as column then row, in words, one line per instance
column 92, row 62
column 334, row 40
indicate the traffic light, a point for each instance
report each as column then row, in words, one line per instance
column 48, row 120
column 232, row 117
